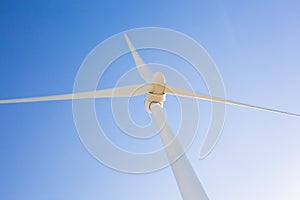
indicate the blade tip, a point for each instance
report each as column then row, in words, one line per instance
column 125, row 36
column 202, row 155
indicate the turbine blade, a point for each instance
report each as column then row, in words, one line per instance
column 185, row 93
column 210, row 140
column 126, row 91
column 143, row 69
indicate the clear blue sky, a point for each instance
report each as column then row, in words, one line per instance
column 255, row 45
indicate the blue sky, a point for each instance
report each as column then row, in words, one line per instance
column 255, row 46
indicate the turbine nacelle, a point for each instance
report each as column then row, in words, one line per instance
column 157, row 93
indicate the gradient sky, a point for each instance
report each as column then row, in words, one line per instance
column 255, row 45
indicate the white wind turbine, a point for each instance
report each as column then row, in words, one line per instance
column 156, row 90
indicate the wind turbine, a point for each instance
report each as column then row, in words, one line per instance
column 155, row 90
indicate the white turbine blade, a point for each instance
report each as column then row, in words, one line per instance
column 185, row 93
column 210, row 140
column 143, row 69
column 126, row 91
column 188, row 183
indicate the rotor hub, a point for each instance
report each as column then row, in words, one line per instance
column 157, row 93
column 154, row 98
